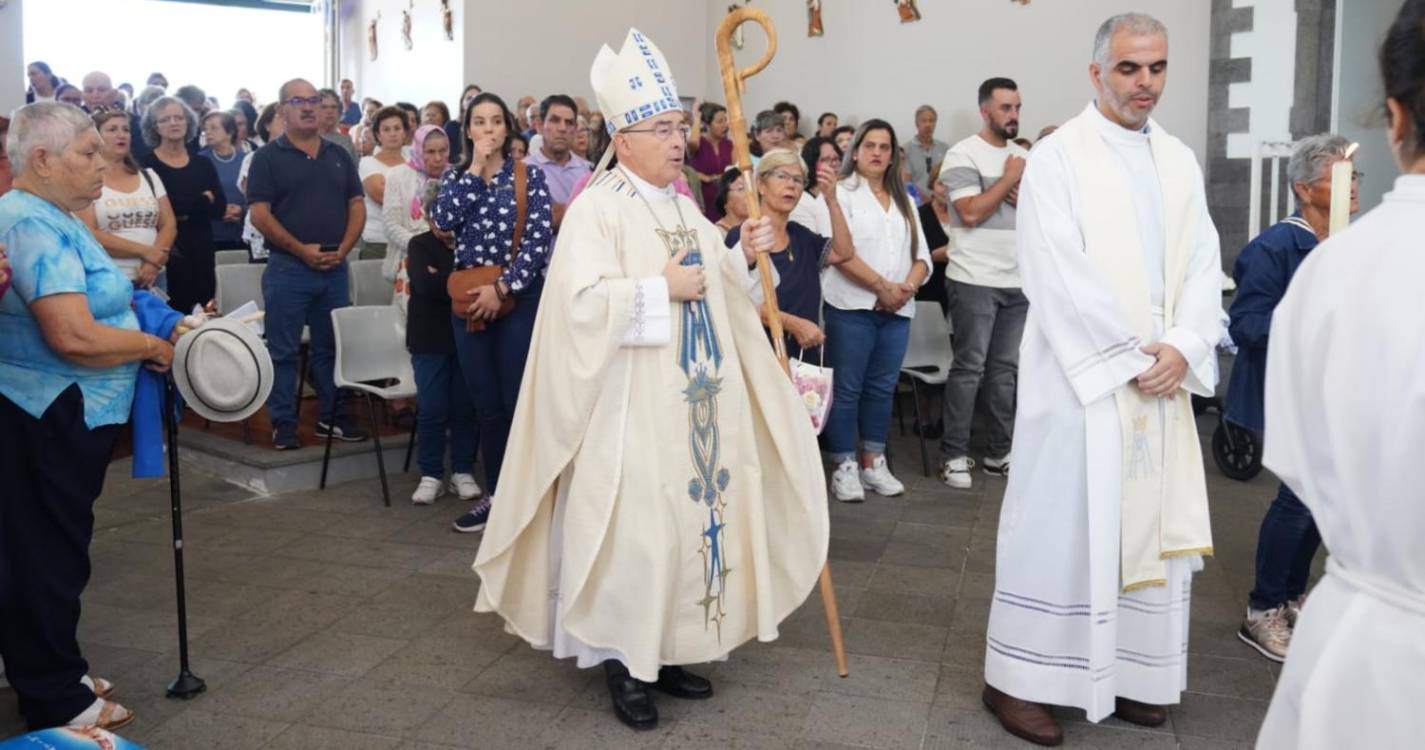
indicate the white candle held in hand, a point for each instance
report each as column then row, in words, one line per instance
column 1341, row 173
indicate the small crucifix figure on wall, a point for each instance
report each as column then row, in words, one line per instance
column 447, row 19
column 371, row 48
column 814, row 27
column 406, row 26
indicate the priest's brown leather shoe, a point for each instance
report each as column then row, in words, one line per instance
column 1142, row 714
column 1025, row 720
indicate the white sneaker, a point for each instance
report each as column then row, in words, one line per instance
column 465, row 486
column 845, row 484
column 997, row 467
column 956, row 472
column 880, row 480
column 427, row 491
column 1293, row 610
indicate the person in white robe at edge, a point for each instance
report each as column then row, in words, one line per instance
column 1345, row 429
column 668, row 502
column 1105, row 516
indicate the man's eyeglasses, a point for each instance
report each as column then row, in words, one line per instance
column 663, row 130
column 298, row 101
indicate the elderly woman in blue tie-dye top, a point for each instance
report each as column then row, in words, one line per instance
column 69, row 350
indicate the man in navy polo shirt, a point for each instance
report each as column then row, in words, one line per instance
column 305, row 198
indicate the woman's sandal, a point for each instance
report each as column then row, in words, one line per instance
column 102, row 688
column 113, row 716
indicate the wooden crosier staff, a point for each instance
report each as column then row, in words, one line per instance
column 733, row 82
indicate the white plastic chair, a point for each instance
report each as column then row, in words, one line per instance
column 230, row 257
column 927, row 361
column 368, row 286
column 238, row 284
column 371, row 358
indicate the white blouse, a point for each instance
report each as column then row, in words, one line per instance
column 882, row 242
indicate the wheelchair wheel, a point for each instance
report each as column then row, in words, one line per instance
column 1237, row 452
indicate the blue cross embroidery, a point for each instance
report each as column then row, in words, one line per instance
column 635, row 83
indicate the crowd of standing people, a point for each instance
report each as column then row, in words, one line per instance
column 1084, row 302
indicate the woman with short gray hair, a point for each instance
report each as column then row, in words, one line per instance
column 72, row 348
column 196, row 193
column 1288, row 537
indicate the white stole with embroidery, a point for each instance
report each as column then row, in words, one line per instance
column 1164, row 491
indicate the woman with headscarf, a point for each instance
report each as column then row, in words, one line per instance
column 403, row 211
column 72, row 348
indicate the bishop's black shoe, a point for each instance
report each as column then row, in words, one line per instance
column 633, row 705
column 680, row 683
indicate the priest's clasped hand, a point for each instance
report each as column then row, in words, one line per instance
column 1164, row 377
column 757, row 236
column 685, row 283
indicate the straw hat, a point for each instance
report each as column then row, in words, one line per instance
column 223, row 370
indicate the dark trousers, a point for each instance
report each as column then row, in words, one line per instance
column 191, row 279
column 1286, row 544
column 988, row 324
column 492, row 362
column 53, row 470
column 297, row 295
column 443, row 404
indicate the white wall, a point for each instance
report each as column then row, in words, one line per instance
column 870, row 65
column 542, row 47
column 1360, row 93
column 12, row 58
column 431, row 69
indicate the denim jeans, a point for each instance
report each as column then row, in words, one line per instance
column 1285, row 546
column 492, row 362
column 296, row 296
column 443, row 403
column 866, row 349
column 989, row 323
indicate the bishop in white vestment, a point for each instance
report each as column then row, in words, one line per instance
column 662, row 499
column 1105, row 515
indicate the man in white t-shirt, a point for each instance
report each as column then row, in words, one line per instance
column 987, row 307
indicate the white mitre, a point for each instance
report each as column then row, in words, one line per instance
column 633, row 84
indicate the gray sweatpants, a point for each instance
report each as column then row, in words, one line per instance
column 989, row 323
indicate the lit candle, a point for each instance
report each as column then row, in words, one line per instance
column 1341, row 173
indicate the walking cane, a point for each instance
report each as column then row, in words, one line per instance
column 733, row 82
column 188, row 684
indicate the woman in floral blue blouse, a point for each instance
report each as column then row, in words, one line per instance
column 477, row 203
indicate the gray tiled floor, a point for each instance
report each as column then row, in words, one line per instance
column 324, row 620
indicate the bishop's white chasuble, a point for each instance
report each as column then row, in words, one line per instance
column 1104, row 517
column 662, row 502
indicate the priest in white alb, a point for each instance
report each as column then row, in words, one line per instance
column 662, row 500
column 1105, row 516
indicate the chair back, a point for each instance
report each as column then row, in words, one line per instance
column 238, row 284
column 368, row 286
column 929, row 344
column 371, row 349
column 229, row 257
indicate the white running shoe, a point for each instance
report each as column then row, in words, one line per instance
column 845, row 484
column 465, row 486
column 1293, row 610
column 956, row 472
column 427, row 491
column 880, row 480
column 997, row 467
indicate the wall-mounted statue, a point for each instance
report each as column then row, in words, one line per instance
column 371, row 36
column 447, row 19
column 908, row 11
column 406, row 26
column 814, row 27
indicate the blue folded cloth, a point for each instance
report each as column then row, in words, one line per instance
column 156, row 318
